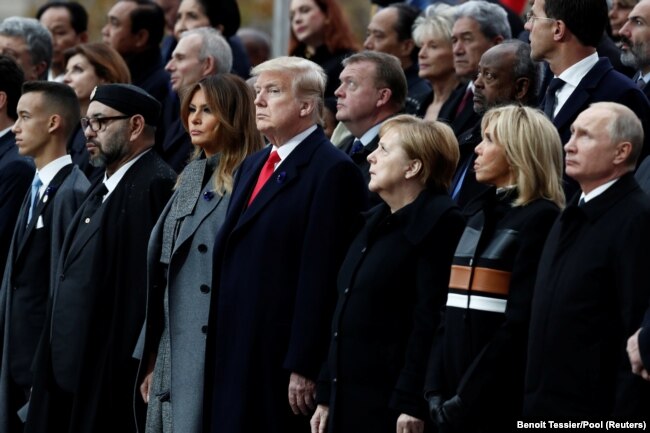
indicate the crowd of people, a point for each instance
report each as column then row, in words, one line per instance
column 441, row 228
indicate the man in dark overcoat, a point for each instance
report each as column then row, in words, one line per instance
column 84, row 372
column 591, row 290
column 293, row 211
column 48, row 113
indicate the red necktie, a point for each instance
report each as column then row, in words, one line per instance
column 468, row 95
column 265, row 174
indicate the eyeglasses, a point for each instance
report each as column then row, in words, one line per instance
column 96, row 123
column 530, row 17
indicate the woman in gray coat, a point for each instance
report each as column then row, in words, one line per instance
column 219, row 115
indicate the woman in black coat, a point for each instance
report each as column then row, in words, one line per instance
column 477, row 363
column 392, row 285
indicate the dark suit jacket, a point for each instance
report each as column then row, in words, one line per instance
column 602, row 83
column 98, row 306
column 276, row 262
column 590, row 296
column 391, row 286
column 361, row 161
column 463, row 120
column 66, row 195
column 173, row 142
column 16, row 174
column 469, row 187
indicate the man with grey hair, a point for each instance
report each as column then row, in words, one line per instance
column 200, row 52
column 478, row 26
column 373, row 88
column 293, row 211
column 29, row 43
column 592, row 286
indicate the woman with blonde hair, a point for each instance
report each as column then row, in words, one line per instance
column 476, row 369
column 219, row 115
column 392, row 285
column 432, row 33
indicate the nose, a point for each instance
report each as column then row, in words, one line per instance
column 478, row 81
column 479, row 149
column 169, row 67
column 258, row 99
column 367, row 44
column 339, row 91
column 625, row 31
column 458, row 48
column 105, row 31
column 421, row 52
column 14, row 127
column 570, row 147
column 371, row 158
column 195, row 118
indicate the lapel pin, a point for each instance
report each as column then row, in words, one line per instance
column 281, row 176
column 208, row 195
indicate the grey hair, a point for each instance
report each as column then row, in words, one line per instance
column 436, row 22
column 35, row 35
column 214, row 45
column 624, row 125
column 308, row 79
column 491, row 18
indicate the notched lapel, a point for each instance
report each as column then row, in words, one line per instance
column 191, row 224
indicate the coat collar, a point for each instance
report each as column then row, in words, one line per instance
column 593, row 209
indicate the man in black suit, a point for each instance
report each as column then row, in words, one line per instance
column 592, row 288
column 635, row 41
column 478, row 26
column 134, row 28
column 294, row 208
column 565, row 34
column 16, row 172
column 200, row 52
column 373, row 88
column 84, row 372
column 48, row 113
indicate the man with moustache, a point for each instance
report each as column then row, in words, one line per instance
column 84, row 372
column 506, row 75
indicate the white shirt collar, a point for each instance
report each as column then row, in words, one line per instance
column 47, row 173
column 285, row 150
column 4, row 131
column 572, row 77
column 597, row 191
column 370, row 134
column 112, row 182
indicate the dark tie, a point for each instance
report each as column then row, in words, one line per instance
column 640, row 82
column 93, row 203
column 36, row 185
column 265, row 174
column 466, row 98
column 357, row 147
column 551, row 100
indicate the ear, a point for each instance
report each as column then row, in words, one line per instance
column 413, row 169
column 622, row 153
column 40, row 69
column 521, row 88
column 384, row 96
column 220, row 28
column 137, row 124
column 560, row 31
column 406, row 46
column 142, row 38
column 209, row 66
column 3, row 101
column 54, row 123
column 497, row 40
column 83, row 37
column 307, row 107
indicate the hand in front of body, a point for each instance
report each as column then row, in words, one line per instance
column 319, row 420
column 635, row 356
column 302, row 394
column 145, row 386
column 409, row 424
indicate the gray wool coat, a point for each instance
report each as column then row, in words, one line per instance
column 189, row 281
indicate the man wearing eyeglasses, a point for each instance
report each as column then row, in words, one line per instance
column 84, row 372
column 565, row 34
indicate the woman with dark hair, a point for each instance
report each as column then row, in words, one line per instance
column 321, row 33
column 224, row 16
column 219, row 115
column 87, row 66
column 475, row 379
column 392, row 285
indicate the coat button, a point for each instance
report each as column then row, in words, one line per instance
column 205, row 288
column 62, row 277
column 204, row 329
column 203, row 248
column 363, row 250
column 346, row 291
column 336, row 335
column 334, row 380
